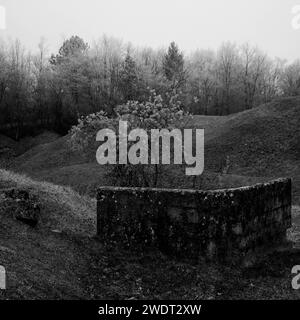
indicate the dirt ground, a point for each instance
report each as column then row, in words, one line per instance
column 52, row 264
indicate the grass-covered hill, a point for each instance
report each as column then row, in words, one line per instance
column 60, row 258
column 258, row 144
column 262, row 142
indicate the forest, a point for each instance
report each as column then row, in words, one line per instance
column 44, row 90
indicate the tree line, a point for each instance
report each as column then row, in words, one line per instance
column 53, row 91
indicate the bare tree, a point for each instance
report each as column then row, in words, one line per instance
column 253, row 63
column 269, row 85
column 290, row 79
column 226, row 72
column 202, row 80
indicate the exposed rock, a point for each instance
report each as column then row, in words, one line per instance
column 22, row 205
column 56, row 231
column 7, row 250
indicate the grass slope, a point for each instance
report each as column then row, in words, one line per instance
column 42, row 263
column 62, row 208
column 261, row 144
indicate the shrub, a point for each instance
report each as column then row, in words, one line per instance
column 155, row 113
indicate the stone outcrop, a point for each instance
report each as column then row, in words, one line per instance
column 21, row 205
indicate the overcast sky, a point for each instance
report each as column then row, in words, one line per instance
column 191, row 23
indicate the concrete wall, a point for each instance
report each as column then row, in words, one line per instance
column 227, row 225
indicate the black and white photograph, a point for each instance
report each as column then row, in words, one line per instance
column 149, row 155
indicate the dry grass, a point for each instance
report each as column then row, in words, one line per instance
column 42, row 264
column 72, row 264
column 262, row 142
column 62, row 207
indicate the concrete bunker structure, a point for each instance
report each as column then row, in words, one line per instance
column 231, row 225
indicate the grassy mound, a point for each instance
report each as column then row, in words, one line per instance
column 29, row 142
column 262, row 142
column 68, row 263
column 60, row 259
column 6, row 142
column 61, row 208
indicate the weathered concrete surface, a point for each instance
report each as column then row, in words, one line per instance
column 226, row 225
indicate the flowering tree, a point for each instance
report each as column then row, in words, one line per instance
column 155, row 113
